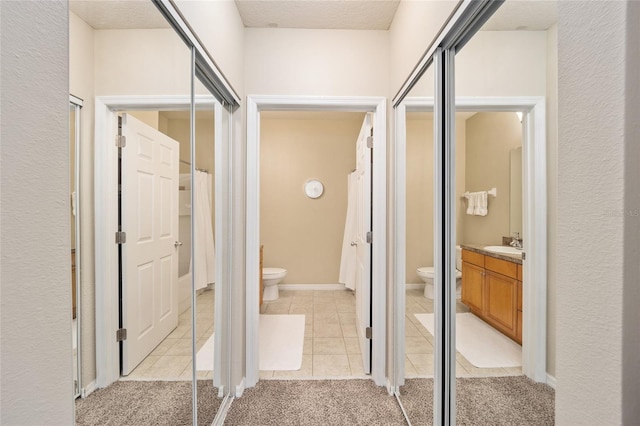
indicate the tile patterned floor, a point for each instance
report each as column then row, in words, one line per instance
column 171, row 359
column 331, row 347
column 419, row 344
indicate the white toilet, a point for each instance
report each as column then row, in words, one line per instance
column 427, row 273
column 270, row 278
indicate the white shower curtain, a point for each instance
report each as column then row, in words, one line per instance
column 348, row 259
column 205, row 255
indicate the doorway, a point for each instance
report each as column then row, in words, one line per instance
column 376, row 320
column 107, row 260
column 311, row 164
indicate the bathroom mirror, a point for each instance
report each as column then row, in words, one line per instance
column 515, row 191
column 75, row 105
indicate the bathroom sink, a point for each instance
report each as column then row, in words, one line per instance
column 504, row 250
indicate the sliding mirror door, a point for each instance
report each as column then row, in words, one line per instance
column 75, row 107
column 155, row 288
column 470, row 179
column 502, row 76
column 415, row 239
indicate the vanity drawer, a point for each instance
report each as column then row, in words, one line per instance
column 473, row 258
column 500, row 266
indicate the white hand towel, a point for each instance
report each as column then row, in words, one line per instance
column 481, row 204
column 471, row 203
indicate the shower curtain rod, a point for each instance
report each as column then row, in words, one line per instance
column 188, row 164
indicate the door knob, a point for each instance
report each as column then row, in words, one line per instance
column 353, row 243
column 177, row 244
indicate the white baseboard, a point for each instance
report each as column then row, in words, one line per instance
column 551, row 381
column 240, row 389
column 88, row 390
column 311, row 287
column 414, row 286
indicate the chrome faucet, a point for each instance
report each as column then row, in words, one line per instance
column 516, row 241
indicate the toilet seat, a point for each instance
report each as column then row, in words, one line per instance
column 273, row 271
column 429, row 272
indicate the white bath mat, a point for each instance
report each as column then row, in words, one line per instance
column 482, row 345
column 281, row 342
column 204, row 357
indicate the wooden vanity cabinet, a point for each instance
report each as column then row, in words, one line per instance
column 473, row 280
column 491, row 289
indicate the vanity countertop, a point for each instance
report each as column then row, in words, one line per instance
column 477, row 248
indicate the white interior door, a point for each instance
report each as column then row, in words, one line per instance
column 150, row 163
column 363, row 248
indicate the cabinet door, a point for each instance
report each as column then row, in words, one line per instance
column 472, row 286
column 501, row 301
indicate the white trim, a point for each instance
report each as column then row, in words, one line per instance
column 551, row 380
column 221, row 414
column 254, row 105
column 240, row 388
column 88, row 390
column 106, row 214
column 535, row 225
column 414, row 286
column 307, row 287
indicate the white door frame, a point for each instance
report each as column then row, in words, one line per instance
column 534, row 338
column 106, row 219
column 377, row 105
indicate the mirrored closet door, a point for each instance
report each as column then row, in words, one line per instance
column 75, row 107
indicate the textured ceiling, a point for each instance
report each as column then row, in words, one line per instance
column 326, row 14
column 529, row 15
column 118, row 14
column 318, row 14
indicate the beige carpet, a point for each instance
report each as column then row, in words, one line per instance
column 315, row 402
column 481, row 401
column 147, row 403
column 496, row 401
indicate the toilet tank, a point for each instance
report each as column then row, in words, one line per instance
column 459, row 258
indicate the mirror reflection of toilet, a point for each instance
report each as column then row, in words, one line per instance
column 270, row 278
column 427, row 274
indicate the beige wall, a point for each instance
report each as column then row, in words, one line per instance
column 141, row 62
column 415, row 24
column 219, row 26
column 316, row 62
column 419, row 177
column 597, row 240
column 497, row 63
column 490, row 138
column 301, row 234
column 35, row 342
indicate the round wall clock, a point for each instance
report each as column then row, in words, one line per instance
column 313, row 188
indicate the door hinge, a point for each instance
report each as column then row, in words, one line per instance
column 369, row 237
column 524, row 255
column 369, row 141
column 121, row 141
column 121, row 237
column 368, row 333
column 121, row 335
